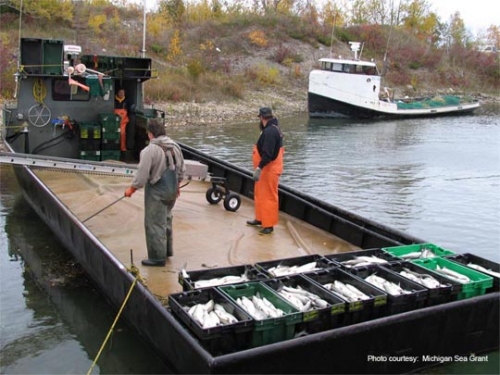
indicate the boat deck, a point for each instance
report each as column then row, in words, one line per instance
column 205, row 235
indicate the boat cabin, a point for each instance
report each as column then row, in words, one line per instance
column 63, row 94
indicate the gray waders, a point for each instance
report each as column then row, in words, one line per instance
column 159, row 200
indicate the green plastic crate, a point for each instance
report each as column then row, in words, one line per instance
column 110, row 120
column 400, row 251
column 110, row 155
column 476, row 287
column 90, row 155
column 267, row 331
column 110, row 123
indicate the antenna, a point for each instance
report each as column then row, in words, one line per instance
column 333, row 33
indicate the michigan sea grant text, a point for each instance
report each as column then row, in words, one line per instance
column 428, row 358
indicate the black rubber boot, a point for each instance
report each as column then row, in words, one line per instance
column 170, row 245
column 152, row 263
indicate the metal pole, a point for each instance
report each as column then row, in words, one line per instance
column 143, row 51
column 98, row 212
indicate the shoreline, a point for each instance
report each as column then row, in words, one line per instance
column 284, row 104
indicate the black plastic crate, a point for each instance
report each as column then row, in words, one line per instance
column 340, row 259
column 396, row 304
column 467, row 258
column 446, row 293
column 220, row 339
column 318, row 319
column 357, row 311
column 320, row 263
column 189, row 283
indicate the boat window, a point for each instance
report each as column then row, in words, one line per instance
column 349, row 68
column 63, row 91
column 359, row 69
column 337, row 67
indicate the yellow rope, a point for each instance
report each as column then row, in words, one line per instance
column 39, row 90
column 114, row 323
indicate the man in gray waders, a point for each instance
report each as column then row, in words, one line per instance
column 160, row 171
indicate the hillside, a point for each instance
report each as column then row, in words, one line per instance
column 216, row 70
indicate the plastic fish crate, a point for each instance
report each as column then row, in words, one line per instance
column 271, row 330
column 110, row 120
column 110, row 144
column 220, row 339
column 90, row 155
column 443, row 294
column 321, row 262
column 357, row 311
column 90, row 130
column 399, row 251
column 110, row 125
column 479, row 281
column 317, row 320
column 189, row 283
column 338, row 258
column 89, row 144
column 396, row 304
column 110, row 155
column 467, row 258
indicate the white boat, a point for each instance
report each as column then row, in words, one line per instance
column 354, row 88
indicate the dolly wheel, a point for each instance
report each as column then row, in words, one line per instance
column 232, row 202
column 214, row 195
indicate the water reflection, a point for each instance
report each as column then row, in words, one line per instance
column 52, row 318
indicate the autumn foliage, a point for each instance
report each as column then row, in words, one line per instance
column 210, row 48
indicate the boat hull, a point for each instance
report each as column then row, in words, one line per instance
column 323, row 107
column 462, row 327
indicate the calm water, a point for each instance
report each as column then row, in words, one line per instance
column 436, row 179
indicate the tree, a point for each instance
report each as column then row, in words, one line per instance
column 457, row 32
column 174, row 10
column 51, row 10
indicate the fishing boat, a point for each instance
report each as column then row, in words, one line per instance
column 62, row 139
column 351, row 87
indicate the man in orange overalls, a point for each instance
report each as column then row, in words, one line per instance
column 267, row 160
column 121, row 109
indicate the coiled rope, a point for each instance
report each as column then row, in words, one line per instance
column 39, row 90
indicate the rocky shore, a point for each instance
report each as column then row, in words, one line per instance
column 284, row 103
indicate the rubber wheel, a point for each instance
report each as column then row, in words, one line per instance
column 214, row 196
column 232, row 202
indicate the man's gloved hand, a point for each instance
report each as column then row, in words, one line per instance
column 256, row 174
column 129, row 191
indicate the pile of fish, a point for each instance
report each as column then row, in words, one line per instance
column 281, row 270
column 422, row 278
column 363, row 260
column 210, row 314
column 259, row 307
column 482, row 269
column 423, row 253
column 346, row 291
column 302, row 299
column 386, row 285
column 453, row 275
column 229, row 279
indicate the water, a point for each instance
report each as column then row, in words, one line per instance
column 437, row 179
